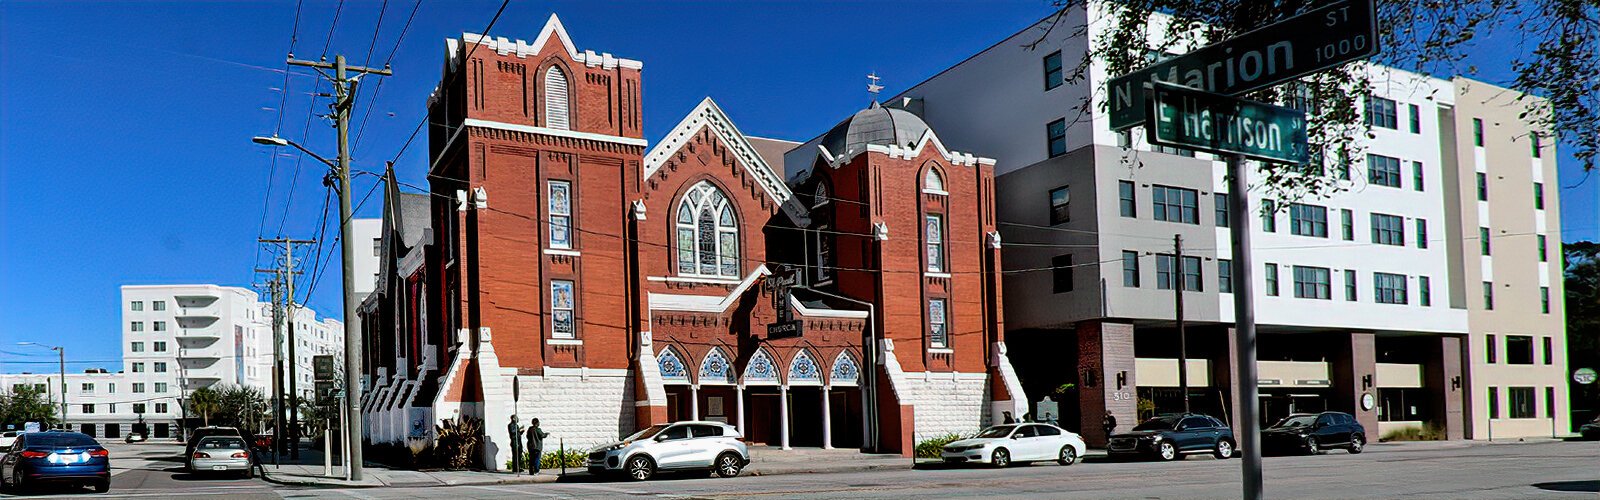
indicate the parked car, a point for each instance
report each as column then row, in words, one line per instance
column 208, row 431
column 135, row 437
column 1003, row 445
column 56, row 457
column 222, row 454
column 1312, row 433
column 1167, row 437
column 8, row 437
column 677, row 446
column 1590, row 430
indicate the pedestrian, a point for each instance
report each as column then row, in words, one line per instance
column 1109, row 423
column 1049, row 419
column 535, row 445
column 1008, row 419
column 515, row 430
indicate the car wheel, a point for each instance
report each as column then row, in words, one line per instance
column 1166, row 451
column 729, row 464
column 1357, row 442
column 1311, row 446
column 1001, row 458
column 1068, row 455
column 641, row 468
column 102, row 487
column 1224, row 449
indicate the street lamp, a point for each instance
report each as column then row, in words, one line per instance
column 61, row 355
column 280, row 142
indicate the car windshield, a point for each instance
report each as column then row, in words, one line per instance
column 61, row 440
column 647, row 433
column 998, row 431
column 1157, row 424
column 1295, row 421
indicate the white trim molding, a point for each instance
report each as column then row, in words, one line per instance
column 530, row 129
column 708, row 115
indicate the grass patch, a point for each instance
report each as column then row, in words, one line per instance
column 1424, row 433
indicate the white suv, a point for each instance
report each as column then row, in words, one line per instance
column 676, row 446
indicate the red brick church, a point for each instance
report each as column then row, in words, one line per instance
column 842, row 292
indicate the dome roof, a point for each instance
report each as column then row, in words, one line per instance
column 874, row 125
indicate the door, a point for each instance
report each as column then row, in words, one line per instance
column 1022, row 444
column 1050, row 442
column 1328, row 431
column 704, row 443
column 672, row 449
column 1195, row 433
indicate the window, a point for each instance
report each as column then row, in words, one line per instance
column 138, row 387
column 1522, row 402
column 1550, row 402
column 1061, row 272
column 136, row 347
column 111, row 387
column 1299, row 97
column 136, row 306
column 932, row 182
column 1269, row 216
column 1425, row 286
column 1175, row 204
column 1544, row 251
column 159, row 305
column 1549, row 351
column 1538, row 196
column 1483, row 241
column 1272, row 280
column 1395, row 404
column 1347, row 224
column 88, row 408
column 1308, row 220
column 1491, row 348
column 1130, row 269
column 1056, row 137
column 824, row 252
column 138, row 367
column 1350, row 285
column 936, row 324
column 1416, row 175
column 560, row 199
column 160, row 408
column 1488, row 295
column 1167, row 273
column 1416, row 118
column 1221, row 200
column 933, row 234
column 160, row 346
column 562, row 323
column 1422, row 233
column 1544, row 299
column 1388, row 229
column 160, row 367
column 1192, row 278
column 1519, row 350
column 1225, row 275
column 708, row 233
column 138, row 407
column 1311, row 283
column 1383, row 170
column 1477, row 132
column 1126, row 199
column 1483, row 187
column 159, row 326
column 1381, row 113
column 161, row 387
column 1060, row 199
column 1052, row 70
column 556, row 114
column 1389, row 288
column 137, row 326
column 1494, row 402
column 1535, row 143
column 87, row 388
column 377, row 247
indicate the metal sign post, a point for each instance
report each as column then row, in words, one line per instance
column 1244, row 320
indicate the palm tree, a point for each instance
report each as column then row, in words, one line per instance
column 205, row 401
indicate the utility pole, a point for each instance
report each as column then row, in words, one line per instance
column 344, row 95
column 283, row 318
column 1183, row 335
column 277, row 365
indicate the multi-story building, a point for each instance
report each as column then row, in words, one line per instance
column 99, row 403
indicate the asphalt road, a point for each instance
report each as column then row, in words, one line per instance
column 1414, row 471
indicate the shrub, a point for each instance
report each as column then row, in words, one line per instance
column 932, row 447
column 458, row 442
column 1424, row 433
column 574, row 459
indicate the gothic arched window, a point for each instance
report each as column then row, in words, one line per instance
column 932, row 181
column 708, row 233
column 672, row 369
column 555, row 99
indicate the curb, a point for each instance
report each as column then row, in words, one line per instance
column 269, row 477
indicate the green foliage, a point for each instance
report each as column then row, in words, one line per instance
column 1424, row 433
column 458, row 442
column 205, row 401
column 931, row 448
column 1146, row 408
column 573, row 459
column 27, row 404
column 240, row 406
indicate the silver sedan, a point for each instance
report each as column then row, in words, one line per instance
column 222, row 454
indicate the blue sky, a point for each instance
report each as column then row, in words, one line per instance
column 124, row 127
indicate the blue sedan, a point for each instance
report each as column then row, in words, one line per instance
column 63, row 458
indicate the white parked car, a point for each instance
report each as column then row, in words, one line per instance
column 711, row 446
column 8, row 437
column 1003, row 445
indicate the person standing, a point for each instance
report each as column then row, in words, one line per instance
column 535, row 445
column 514, row 428
column 1109, row 423
column 1007, row 418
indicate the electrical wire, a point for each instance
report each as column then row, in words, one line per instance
column 453, row 76
column 277, row 129
column 361, row 129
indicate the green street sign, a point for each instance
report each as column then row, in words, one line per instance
column 1323, row 38
column 1186, row 118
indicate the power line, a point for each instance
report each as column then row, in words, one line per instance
column 329, row 42
column 362, row 129
column 277, row 129
column 452, row 80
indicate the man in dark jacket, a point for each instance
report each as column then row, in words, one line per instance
column 535, row 445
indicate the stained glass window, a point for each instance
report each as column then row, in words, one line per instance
column 715, row 369
column 560, row 214
column 708, row 233
column 937, row 337
column 671, row 366
column 845, row 371
column 931, row 181
column 804, row 368
column 562, row 325
column 934, row 235
column 760, row 368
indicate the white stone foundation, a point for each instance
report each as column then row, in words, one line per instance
column 946, row 403
column 584, row 410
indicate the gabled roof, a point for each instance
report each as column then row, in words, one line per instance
column 709, row 115
column 552, row 28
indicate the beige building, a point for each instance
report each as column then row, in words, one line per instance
column 1504, row 237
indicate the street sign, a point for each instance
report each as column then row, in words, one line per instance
column 325, row 390
column 1584, row 376
column 1192, row 119
column 322, row 367
column 1307, row 43
column 785, row 329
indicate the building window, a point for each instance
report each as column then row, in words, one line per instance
column 137, row 326
column 1127, row 200
column 1052, row 70
column 1488, row 295
column 1130, row 269
column 1536, row 143
column 1272, row 280
column 1483, row 241
column 1382, row 113
column 1193, row 280
column 377, row 247
column 1422, row 233
column 1175, row 204
column 1308, row 220
column 136, row 347
column 1167, row 273
column 161, row 387
column 1425, row 286
column 1061, row 272
column 1269, row 216
column 1538, row 196
column 1491, row 349
column 933, row 234
column 111, row 387
column 160, row 346
column 1388, row 229
column 1549, row 351
column 136, row 306
column 159, row 326
column 932, row 182
column 936, row 324
column 1544, row 251
column 1389, row 288
column 1416, row 118
column 1550, row 402
column 87, row 388
column 563, row 325
column 560, row 198
column 1522, row 402
column 1225, row 275
column 1544, row 299
column 1416, row 175
column 1312, row 283
column 1403, row 405
column 160, row 367
column 88, row 408
column 1350, row 285
column 1494, row 402
column 138, row 408
column 160, row 408
column 708, row 233
column 1060, row 199
column 1221, row 200
column 556, row 114
column 1519, row 350
column 159, row 305
column 1056, row 137
column 138, row 367
column 138, row 387
column 824, row 253
column 1383, row 170
column 1347, row 224
column 1483, row 187
column 1477, row 132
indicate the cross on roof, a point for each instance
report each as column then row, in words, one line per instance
column 873, row 87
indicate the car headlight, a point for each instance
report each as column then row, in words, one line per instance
column 1154, row 438
column 611, row 448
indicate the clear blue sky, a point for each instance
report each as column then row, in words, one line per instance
column 124, row 127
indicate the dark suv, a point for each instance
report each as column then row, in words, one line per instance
column 1311, row 433
column 1167, row 437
